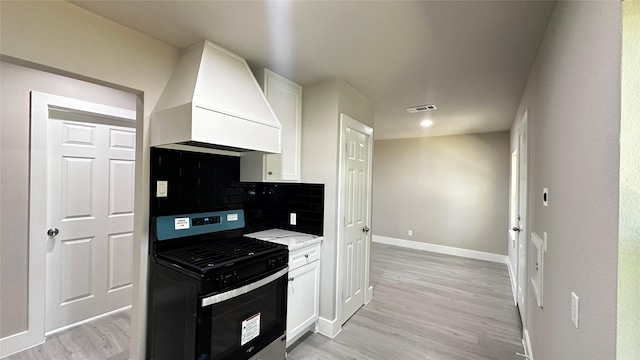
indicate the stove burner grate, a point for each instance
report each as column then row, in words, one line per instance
column 218, row 253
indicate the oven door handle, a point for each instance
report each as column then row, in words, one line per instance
column 214, row 299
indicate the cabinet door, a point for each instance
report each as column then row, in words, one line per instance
column 285, row 99
column 302, row 308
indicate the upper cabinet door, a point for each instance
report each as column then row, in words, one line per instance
column 285, row 98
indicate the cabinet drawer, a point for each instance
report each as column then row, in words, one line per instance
column 304, row 256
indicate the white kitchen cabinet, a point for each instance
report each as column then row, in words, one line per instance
column 303, row 291
column 285, row 98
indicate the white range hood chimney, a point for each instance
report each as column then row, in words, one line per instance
column 213, row 101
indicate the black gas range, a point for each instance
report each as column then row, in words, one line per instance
column 214, row 294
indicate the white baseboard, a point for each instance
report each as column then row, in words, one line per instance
column 27, row 339
column 88, row 320
column 442, row 249
column 512, row 278
column 526, row 341
column 18, row 342
column 329, row 328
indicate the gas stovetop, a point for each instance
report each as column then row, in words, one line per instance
column 210, row 245
column 220, row 253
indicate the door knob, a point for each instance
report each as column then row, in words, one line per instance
column 365, row 229
column 53, row 232
column 515, row 228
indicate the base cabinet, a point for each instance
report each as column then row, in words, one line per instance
column 303, row 291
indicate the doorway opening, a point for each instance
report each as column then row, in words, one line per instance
column 81, row 198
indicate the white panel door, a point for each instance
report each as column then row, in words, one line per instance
column 90, row 187
column 522, row 233
column 356, row 203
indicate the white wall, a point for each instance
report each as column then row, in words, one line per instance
column 628, row 331
column 573, row 102
column 65, row 39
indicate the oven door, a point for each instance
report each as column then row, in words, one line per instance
column 238, row 323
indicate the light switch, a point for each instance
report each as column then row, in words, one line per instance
column 292, row 219
column 161, row 188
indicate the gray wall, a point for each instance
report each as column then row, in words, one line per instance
column 573, row 97
column 450, row 190
column 63, row 38
column 322, row 104
column 17, row 82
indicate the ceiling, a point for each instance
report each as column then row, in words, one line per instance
column 469, row 58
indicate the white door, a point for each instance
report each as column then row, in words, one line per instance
column 355, row 209
column 522, row 216
column 90, row 196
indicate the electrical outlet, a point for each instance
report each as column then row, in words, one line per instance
column 292, row 219
column 410, row 232
column 575, row 308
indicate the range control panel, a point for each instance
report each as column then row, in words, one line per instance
column 177, row 226
column 205, row 221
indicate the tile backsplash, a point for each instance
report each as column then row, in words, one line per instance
column 199, row 182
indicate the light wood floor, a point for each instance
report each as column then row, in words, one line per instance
column 425, row 306
column 104, row 339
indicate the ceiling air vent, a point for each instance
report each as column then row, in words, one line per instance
column 421, row 108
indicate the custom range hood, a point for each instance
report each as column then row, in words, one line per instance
column 213, row 101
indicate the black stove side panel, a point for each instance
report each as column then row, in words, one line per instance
column 172, row 314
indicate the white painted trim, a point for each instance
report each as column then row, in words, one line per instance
column 369, row 295
column 87, row 320
column 329, row 328
column 513, row 280
column 18, row 342
column 472, row 254
column 41, row 103
column 526, row 341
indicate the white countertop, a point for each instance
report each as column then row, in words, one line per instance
column 294, row 240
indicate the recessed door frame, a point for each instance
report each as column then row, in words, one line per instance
column 348, row 122
column 41, row 105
